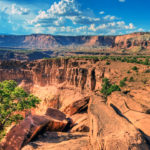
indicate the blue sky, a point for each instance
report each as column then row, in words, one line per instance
column 74, row 17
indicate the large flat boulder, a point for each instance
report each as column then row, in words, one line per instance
column 58, row 120
column 110, row 131
column 78, row 106
column 26, row 130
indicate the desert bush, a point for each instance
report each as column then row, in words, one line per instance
column 108, row 88
column 135, row 68
column 125, row 78
column 131, row 79
column 122, row 83
column 107, row 63
column 146, row 62
column 128, row 71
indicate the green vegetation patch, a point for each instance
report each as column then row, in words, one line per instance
column 108, row 88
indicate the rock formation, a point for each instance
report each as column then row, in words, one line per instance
column 111, row 131
column 72, row 86
column 26, row 130
column 38, row 46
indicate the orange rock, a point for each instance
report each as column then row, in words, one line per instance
column 77, row 106
column 26, row 130
column 80, row 123
column 110, row 131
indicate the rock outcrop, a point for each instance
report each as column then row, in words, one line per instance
column 80, row 122
column 22, row 133
column 133, row 109
column 119, row 122
column 134, row 42
column 78, row 106
column 111, row 131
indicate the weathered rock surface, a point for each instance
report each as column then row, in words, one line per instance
column 22, row 133
column 77, row 107
column 80, row 123
column 133, row 108
column 110, row 131
column 27, row 129
column 59, row 141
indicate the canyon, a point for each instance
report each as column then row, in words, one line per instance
column 71, row 87
column 38, row 46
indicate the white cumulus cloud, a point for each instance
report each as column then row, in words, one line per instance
column 122, row 0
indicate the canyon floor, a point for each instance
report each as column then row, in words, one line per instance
column 74, row 113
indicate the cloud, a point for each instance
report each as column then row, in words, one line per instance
column 141, row 30
column 109, row 17
column 101, row 12
column 122, row 0
column 15, row 10
column 62, row 17
column 67, row 12
column 13, row 18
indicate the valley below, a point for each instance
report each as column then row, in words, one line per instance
column 87, row 103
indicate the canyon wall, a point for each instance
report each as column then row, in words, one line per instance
column 57, row 82
column 41, row 41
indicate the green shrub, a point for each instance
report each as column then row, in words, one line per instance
column 146, row 62
column 108, row 88
column 125, row 79
column 107, row 63
column 131, row 79
column 128, row 71
column 135, row 68
column 122, row 83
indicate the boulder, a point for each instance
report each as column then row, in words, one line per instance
column 80, row 123
column 55, row 114
column 58, row 120
column 26, row 130
column 77, row 106
column 109, row 130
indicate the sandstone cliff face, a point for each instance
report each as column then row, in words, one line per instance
column 49, row 72
column 136, row 40
column 58, row 82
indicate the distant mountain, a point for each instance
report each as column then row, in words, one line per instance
column 44, row 41
column 38, row 46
